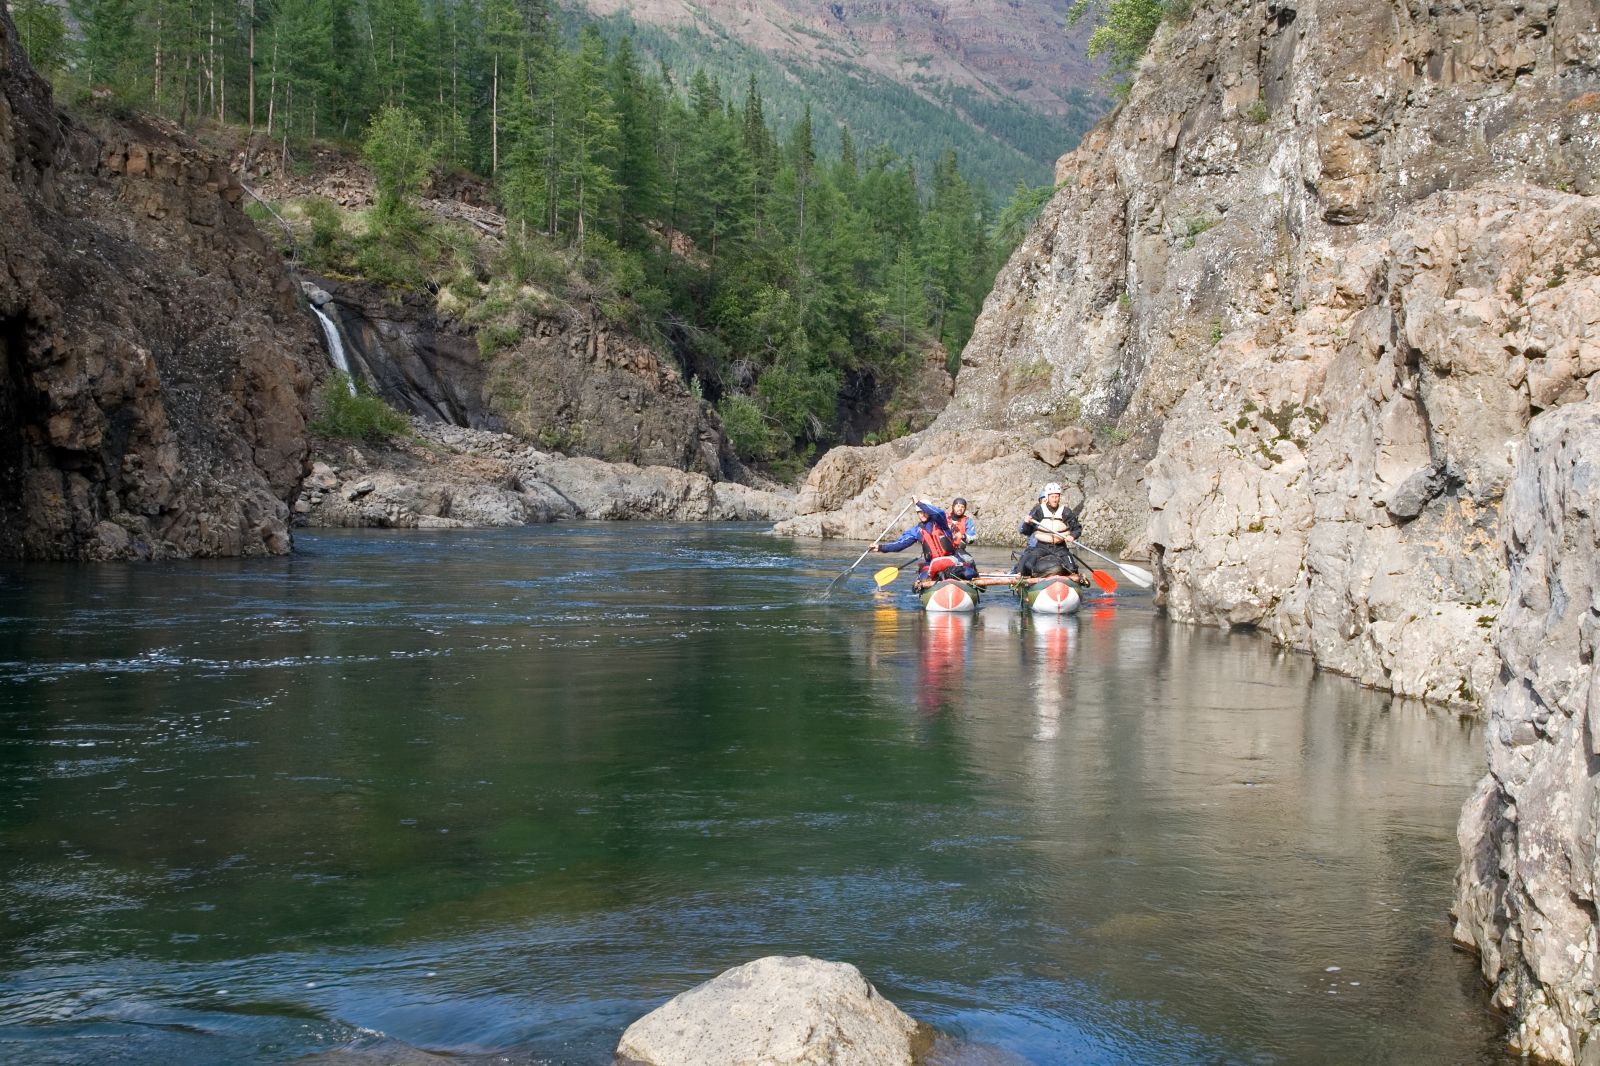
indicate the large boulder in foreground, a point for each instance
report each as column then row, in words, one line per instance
column 794, row 1011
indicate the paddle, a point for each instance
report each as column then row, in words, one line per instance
column 840, row 579
column 1138, row 575
column 889, row 573
column 1104, row 581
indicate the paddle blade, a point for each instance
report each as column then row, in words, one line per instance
column 886, row 575
column 1103, row 580
column 1139, row 576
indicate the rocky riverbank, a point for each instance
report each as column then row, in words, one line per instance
column 443, row 477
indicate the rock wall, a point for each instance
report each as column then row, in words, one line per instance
column 571, row 382
column 154, row 365
column 1530, row 835
column 1328, row 272
column 1303, row 291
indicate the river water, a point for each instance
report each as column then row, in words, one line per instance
column 504, row 792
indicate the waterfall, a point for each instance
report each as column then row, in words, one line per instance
column 336, row 347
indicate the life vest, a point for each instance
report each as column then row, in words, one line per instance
column 1053, row 533
column 958, row 530
column 936, row 543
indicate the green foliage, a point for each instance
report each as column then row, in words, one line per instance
column 1015, row 218
column 495, row 336
column 1257, row 113
column 1195, row 225
column 43, row 34
column 400, row 155
column 327, row 248
column 356, row 417
column 1123, row 29
column 746, row 428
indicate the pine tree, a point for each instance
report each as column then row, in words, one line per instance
column 589, row 137
column 43, row 34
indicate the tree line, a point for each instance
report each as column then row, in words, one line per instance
column 791, row 271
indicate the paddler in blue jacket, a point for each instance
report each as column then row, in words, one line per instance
column 933, row 531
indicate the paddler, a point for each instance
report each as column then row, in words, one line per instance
column 939, row 556
column 1051, row 528
column 962, row 527
column 962, row 530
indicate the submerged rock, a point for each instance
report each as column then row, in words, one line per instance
column 793, row 1011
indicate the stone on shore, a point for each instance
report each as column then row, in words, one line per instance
column 794, row 1011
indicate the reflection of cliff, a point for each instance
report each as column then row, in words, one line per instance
column 1208, row 803
column 153, row 363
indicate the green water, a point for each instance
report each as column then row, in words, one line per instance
column 485, row 793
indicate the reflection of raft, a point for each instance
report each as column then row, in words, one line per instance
column 950, row 596
column 1053, row 595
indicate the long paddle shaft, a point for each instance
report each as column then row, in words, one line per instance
column 1138, row 575
column 836, row 581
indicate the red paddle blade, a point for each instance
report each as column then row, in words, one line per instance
column 1103, row 580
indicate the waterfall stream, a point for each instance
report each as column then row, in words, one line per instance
column 335, row 347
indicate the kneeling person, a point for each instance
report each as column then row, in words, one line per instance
column 939, row 557
column 1051, row 528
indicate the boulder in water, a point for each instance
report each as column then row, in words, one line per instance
column 797, row 1011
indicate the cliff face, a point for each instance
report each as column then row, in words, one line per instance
column 155, row 367
column 1306, row 288
column 1530, row 836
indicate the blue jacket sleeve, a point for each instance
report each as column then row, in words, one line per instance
column 902, row 542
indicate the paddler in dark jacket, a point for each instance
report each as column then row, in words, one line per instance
column 933, row 531
column 1051, row 527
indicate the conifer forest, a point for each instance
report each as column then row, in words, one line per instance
column 790, row 271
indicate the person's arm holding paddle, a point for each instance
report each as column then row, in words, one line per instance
column 902, row 542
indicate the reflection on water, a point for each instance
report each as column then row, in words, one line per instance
column 481, row 793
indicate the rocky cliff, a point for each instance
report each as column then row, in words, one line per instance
column 1306, row 291
column 155, row 363
column 570, row 381
column 1530, row 836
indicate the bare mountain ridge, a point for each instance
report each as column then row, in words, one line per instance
column 1015, row 50
column 1007, row 84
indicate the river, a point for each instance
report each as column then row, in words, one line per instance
column 501, row 793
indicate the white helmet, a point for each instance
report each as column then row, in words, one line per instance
column 1051, row 489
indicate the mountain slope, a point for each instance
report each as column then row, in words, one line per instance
column 1006, row 85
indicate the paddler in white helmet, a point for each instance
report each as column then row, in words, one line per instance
column 1051, row 528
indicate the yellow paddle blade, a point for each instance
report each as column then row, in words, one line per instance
column 886, row 575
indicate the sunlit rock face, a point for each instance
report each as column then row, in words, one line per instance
column 1530, row 835
column 1305, row 289
column 154, row 364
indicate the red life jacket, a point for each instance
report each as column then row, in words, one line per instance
column 936, row 542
